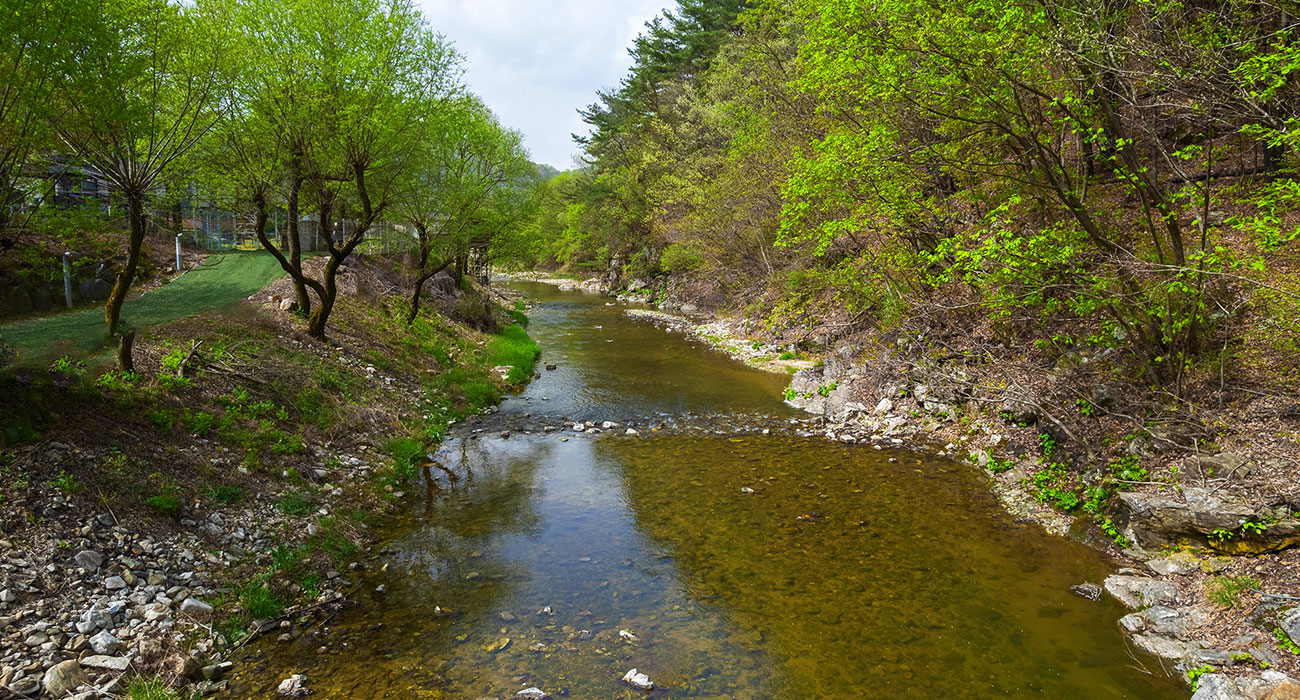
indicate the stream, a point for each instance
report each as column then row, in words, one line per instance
column 719, row 560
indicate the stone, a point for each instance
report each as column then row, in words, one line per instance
column 1091, row 591
column 107, row 663
column 8, row 596
column 1164, row 647
column 1290, row 623
column 196, row 607
column 64, row 678
column 497, row 645
column 1136, row 591
column 105, row 643
column 885, row 406
column 533, row 693
column 637, row 680
column 1202, row 517
column 114, row 583
column 288, row 305
column 1175, row 564
column 1176, row 622
column 94, row 290
column 89, row 559
column 294, row 687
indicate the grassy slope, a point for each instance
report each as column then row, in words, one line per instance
column 222, row 280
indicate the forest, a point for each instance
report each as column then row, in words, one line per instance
column 1109, row 175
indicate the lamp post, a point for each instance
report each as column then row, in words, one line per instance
column 67, row 277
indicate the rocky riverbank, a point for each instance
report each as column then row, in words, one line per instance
column 1202, row 531
column 154, row 523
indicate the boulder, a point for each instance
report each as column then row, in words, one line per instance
column 1270, row 685
column 1136, row 591
column 95, row 290
column 1290, row 623
column 1175, row 564
column 64, row 678
column 196, row 607
column 1155, row 521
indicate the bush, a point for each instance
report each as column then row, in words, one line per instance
column 681, row 257
column 226, row 494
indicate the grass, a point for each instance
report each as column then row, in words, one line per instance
column 1225, row 591
column 222, row 280
column 513, row 347
column 150, row 689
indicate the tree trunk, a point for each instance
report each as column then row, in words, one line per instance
column 125, row 361
column 291, row 233
column 113, row 309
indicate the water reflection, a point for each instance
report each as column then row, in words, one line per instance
column 724, row 567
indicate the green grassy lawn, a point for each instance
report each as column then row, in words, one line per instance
column 221, row 280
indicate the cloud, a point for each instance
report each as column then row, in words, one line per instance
column 537, row 63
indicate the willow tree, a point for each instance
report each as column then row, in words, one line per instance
column 460, row 180
column 136, row 88
column 345, row 86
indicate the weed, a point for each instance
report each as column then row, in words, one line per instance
column 66, row 483
column 406, row 454
column 1225, row 591
column 67, row 366
column 162, row 418
column 791, row 394
column 513, row 347
column 294, row 503
column 226, row 494
column 1194, row 674
column 1284, row 642
column 787, row 355
column 165, row 503
column 198, row 423
column 150, row 689
column 258, row 601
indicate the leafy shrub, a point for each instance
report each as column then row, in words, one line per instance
column 681, row 257
column 226, row 494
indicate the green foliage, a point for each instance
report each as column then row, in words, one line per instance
column 223, row 493
column 1225, row 591
column 1194, row 674
column 680, row 257
column 66, row 483
column 141, row 688
column 513, row 347
column 294, row 503
column 166, row 503
column 407, row 454
column 1284, row 642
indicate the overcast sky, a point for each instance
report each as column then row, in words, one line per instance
column 536, row 62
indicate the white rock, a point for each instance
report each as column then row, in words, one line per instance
column 105, row 643
column 630, row 431
column 294, row 686
column 532, row 694
column 196, row 607
column 107, row 663
column 885, row 406
column 627, row 635
column 640, row 681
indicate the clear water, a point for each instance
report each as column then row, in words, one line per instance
column 842, row 575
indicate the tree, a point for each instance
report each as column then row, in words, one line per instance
column 454, row 193
column 136, row 88
column 346, row 86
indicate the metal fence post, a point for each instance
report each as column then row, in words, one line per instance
column 178, row 252
column 67, row 277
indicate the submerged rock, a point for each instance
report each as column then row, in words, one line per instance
column 294, row 686
column 533, row 693
column 637, row 680
column 1091, row 591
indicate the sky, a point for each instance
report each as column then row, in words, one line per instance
column 536, row 62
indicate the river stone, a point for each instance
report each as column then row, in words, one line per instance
column 532, row 694
column 1164, row 647
column 1174, row 564
column 1270, row 685
column 1176, row 622
column 89, row 559
column 1091, row 591
column 1136, row 591
column 637, row 680
column 107, row 663
column 63, row 678
column 105, row 643
column 196, row 607
column 294, row 687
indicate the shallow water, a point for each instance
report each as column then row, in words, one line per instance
column 841, row 575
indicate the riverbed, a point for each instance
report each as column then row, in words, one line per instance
column 718, row 548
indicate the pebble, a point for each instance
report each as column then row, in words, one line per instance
column 638, row 680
